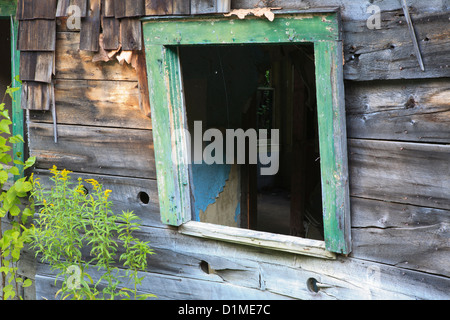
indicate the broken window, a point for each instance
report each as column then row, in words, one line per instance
column 259, row 89
column 249, row 129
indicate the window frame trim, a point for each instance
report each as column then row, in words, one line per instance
column 162, row 37
column 8, row 11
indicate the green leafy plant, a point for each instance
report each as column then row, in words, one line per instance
column 12, row 239
column 72, row 222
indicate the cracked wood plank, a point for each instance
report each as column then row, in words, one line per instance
column 388, row 53
column 409, row 110
column 115, row 151
column 245, row 272
column 402, row 172
column 401, row 235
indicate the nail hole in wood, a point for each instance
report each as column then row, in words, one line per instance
column 311, row 283
column 144, row 197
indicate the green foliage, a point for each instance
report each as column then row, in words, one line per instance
column 12, row 240
column 72, row 222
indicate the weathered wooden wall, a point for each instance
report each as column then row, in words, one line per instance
column 398, row 121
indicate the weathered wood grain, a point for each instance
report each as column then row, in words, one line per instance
column 203, row 6
column 402, row 172
column 32, row 37
column 351, row 10
column 8, row 8
column 210, row 6
column 111, row 33
column 410, row 110
column 43, row 9
column 108, row 8
column 119, row 152
column 79, row 5
column 82, row 4
column 90, row 27
column 131, row 34
column 129, row 8
column 61, row 8
column 402, row 235
column 191, row 268
column 388, row 53
column 158, row 7
column 72, row 63
column 36, row 66
column 141, row 70
column 36, row 95
column 257, row 238
column 125, row 194
column 181, row 6
column 97, row 103
column 333, row 146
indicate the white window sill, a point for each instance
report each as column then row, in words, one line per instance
column 258, row 239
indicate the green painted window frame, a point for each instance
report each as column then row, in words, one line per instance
column 8, row 11
column 162, row 36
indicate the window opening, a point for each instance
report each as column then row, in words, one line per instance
column 254, row 88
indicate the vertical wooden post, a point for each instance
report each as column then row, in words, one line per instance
column 169, row 120
column 17, row 112
column 333, row 146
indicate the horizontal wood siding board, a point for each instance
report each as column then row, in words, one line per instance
column 407, row 110
column 119, row 152
column 242, row 272
column 72, row 63
column 97, row 103
column 387, row 53
column 402, row 172
column 125, row 194
column 406, row 236
column 285, row 29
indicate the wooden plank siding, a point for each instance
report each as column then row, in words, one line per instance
column 101, row 150
column 398, row 141
column 401, row 172
column 73, row 63
column 97, row 102
column 406, row 110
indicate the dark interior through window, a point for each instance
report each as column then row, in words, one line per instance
column 256, row 87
